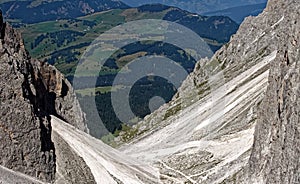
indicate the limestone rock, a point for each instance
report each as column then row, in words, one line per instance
column 276, row 150
column 30, row 92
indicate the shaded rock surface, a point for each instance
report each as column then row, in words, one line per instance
column 70, row 167
column 8, row 176
column 30, row 92
column 276, row 150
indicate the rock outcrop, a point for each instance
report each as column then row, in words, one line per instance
column 276, row 150
column 30, row 92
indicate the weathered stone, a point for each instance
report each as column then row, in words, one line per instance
column 276, row 150
column 30, row 92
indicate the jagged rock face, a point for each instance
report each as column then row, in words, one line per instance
column 9, row 176
column 276, row 151
column 180, row 131
column 30, row 92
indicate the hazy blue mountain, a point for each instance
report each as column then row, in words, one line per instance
column 198, row 6
column 46, row 10
column 239, row 13
column 33, row 11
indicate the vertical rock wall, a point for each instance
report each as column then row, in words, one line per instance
column 276, row 150
column 31, row 91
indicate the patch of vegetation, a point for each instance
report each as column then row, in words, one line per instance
column 212, row 65
column 172, row 111
column 109, row 139
column 59, row 38
column 127, row 132
column 97, row 90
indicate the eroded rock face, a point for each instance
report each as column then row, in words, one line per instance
column 276, row 150
column 30, row 92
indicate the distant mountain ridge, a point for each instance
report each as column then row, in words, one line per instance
column 219, row 25
column 29, row 12
column 197, row 6
column 239, row 13
column 236, row 10
column 45, row 10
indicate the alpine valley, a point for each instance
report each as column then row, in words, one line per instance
column 235, row 119
column 62, row 41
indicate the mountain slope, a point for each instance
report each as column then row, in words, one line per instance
column 34, row 12
column 205, row 134
column 65, row 38
column 238, row 14
column 197, row 6
column 247, row 92
column 107, row 165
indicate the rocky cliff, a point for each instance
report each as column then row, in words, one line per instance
column 30, row 92
column 206, row 133
column 276, row 150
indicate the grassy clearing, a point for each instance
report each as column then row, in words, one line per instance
column 93, row 91
column 172, row 111
column 125, row 59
